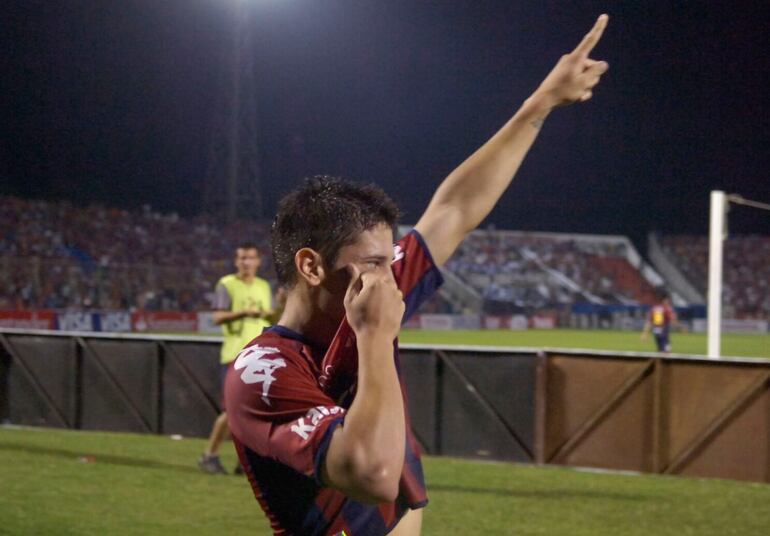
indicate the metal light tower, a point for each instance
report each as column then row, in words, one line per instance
column 232, row 183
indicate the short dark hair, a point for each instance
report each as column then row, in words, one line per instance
column 247, row 245
column 326, row 213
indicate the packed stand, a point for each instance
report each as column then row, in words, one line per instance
column 745, row 273
column 54, row 255
column 520, row 271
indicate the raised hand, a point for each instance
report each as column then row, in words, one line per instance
column 373, row 303
column 575, row 75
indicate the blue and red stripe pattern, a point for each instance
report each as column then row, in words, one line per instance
column 285, row 397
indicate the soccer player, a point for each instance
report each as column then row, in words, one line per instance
column 243, row 309
column 662, row 316
column 316, row 403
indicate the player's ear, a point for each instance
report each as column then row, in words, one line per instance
column 309, row 265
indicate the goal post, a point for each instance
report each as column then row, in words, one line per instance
column 717, row 232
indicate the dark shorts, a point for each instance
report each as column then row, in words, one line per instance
column 663, row 343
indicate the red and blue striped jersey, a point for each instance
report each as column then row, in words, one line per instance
column 285, row 397
column 661, row 317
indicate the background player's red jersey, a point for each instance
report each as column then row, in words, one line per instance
column 660, row 317
column 285, row 397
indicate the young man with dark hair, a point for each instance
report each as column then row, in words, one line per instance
column 316, row 403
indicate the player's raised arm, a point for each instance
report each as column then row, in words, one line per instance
column 470, row 192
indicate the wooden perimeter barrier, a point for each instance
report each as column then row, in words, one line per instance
column 647, row 412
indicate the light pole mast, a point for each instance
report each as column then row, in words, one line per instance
column 232, row 183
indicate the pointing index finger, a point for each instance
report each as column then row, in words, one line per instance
column 356, row 279
column 589, row 41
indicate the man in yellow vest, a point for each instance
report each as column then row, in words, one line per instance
column 243, row 307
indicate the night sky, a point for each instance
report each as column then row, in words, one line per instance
column 113, row 102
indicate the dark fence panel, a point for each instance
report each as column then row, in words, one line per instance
column 419, row 368
column 504, row 384
column 191, row 388
column 465, row 403
column 110, row 382
column 41, row 380
column 120, row 385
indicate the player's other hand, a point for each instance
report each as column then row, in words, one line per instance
column 575, row 75
column 373, row 303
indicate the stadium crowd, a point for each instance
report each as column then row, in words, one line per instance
column 541, row 271
column 746, row 270
column 55, row 255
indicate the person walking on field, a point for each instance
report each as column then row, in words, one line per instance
column 243, row 307
column 660, row 320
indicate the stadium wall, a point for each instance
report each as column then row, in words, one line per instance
column 642, row 412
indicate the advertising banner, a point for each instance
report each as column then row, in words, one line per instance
column 114, row 321
column 75, row 321
column 164, row 322
column 467, row 322
column 28, row 319
column 206, row 323
column 542, row 322
column 438, row 322
column 496, row 322
column 732, row 325
column 519, row 323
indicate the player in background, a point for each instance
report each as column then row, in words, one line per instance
column 660, row 320
column 243, row 307
column 316, row 403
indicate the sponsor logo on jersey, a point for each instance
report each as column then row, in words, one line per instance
column 257, row 368
column 398, row 253
column 307, row 424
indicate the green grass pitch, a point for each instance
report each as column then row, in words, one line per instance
column 72, row 483
column 733, row 344
column 736, row 345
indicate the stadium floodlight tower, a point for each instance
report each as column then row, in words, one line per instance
column 232, row 184
column 717, row 235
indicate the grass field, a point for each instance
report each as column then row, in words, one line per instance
column 733, row 344
column 66, row 483
column 741, row 345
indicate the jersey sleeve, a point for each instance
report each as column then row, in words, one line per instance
column 416, row 274
column 276, row 409
column 222, row 300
